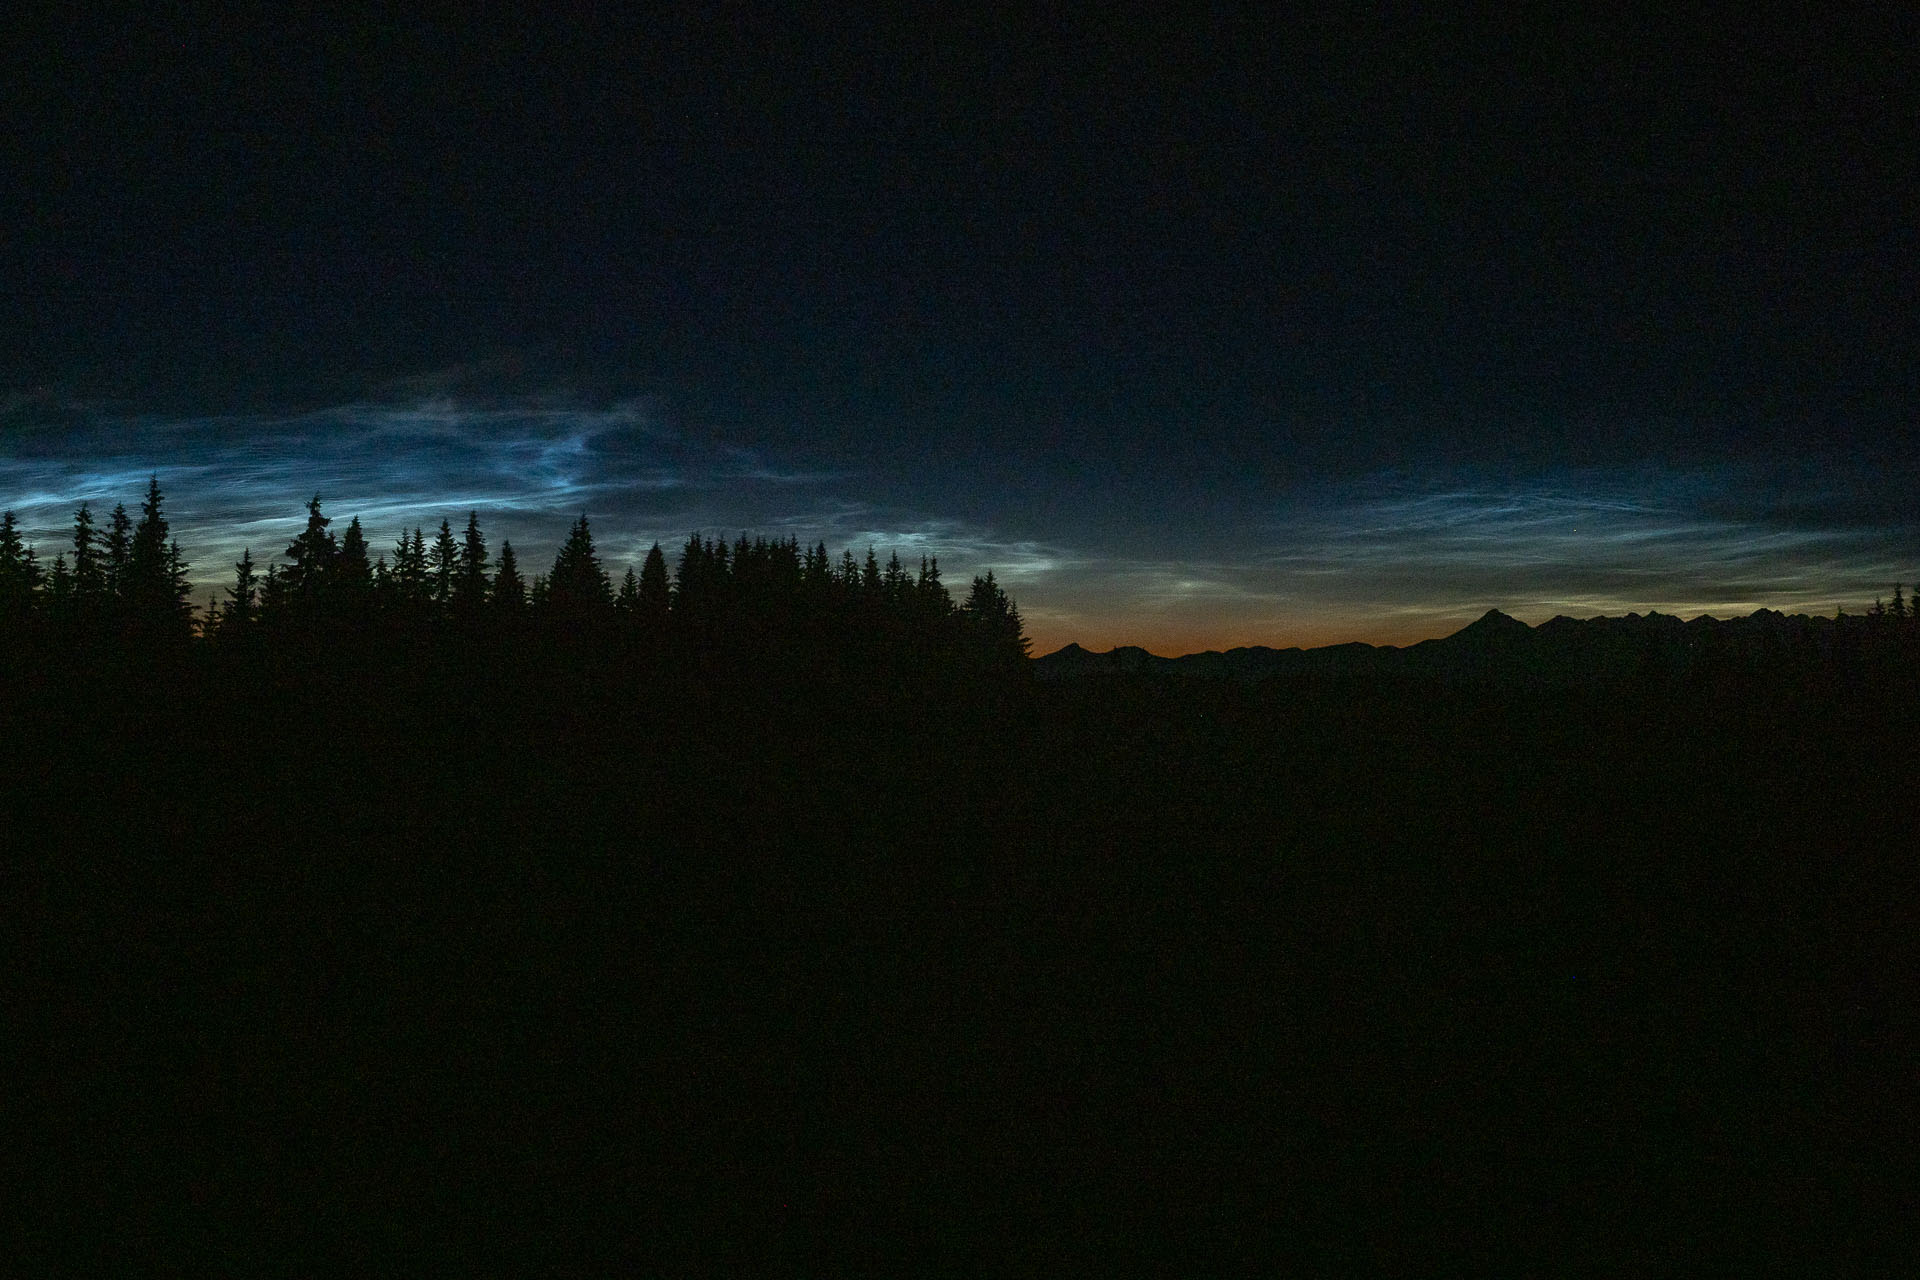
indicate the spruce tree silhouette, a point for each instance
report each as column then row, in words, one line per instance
column 242, row 598
column 155, row 584
column 352, row 585
column 444, row 567
column 995, row 622
column 310, row 557
column 19, row 572
column 816, row 574
column 58, row 589
column 470, row 582
column 754, row 597
column 301, row 592
column 577, row 586
column 930, row 593
column 119, row 547
column 89, row 574
column 410, row 585
column 894, row 581
column 696, row 586
column 655, row 592
column 508, row 595
column 271, row 609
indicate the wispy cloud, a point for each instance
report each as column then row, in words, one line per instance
column 526, row 456
column 1395, row 557
column 235, row 480
column 1696, row 539
column 1383, row 556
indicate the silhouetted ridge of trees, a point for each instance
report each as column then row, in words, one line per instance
column 772, row 597
column 131, row 584
column 377, row 911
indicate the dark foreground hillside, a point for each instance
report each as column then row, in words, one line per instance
column 549, row 959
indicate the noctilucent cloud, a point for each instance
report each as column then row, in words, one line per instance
column 1383, row 555
column 1199, row 328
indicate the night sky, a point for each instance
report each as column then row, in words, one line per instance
column 1198, row 330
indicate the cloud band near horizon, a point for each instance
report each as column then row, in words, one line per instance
column 1383, row 556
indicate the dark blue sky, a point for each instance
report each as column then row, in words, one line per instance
column 1238, row 328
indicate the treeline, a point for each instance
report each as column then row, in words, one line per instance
column 1899, row 610
column 129, row 582
column 128, row 578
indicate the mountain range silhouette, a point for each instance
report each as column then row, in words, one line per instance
column 1497, row 645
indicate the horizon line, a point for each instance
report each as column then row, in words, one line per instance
column 1491, row 612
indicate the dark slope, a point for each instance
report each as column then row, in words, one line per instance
column 1496, row 646
column 365, row 965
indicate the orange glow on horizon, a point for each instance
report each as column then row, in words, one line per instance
column 1172, row 641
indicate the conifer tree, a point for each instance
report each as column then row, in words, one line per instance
column 1899, row 606
column 243, row 597
column 119, row 550
column 17, row 570
column 577, row 584
column 31, row 574
column 627, row 601
column 310, row 556
column 444, row 565
column 697, row 584
column 352, row 575
column 934, row 602
column 155, row 586
column 182, row 590
column 818, row 572
column 402, row 587
column 410, row 569
column 470, row 581
column 871, row 584
column 273, row 595
column 59, row 587
column 995, row 622
column 686, row 580
column 654, row 591
column 509, row 593
column 89, row 574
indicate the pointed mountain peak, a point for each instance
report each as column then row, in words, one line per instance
column 1494, row 620
column 1492, row 626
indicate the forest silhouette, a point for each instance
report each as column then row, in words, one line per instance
column 129, row 586
column 407, row 908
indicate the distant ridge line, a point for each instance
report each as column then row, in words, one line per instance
column 1497, row 643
